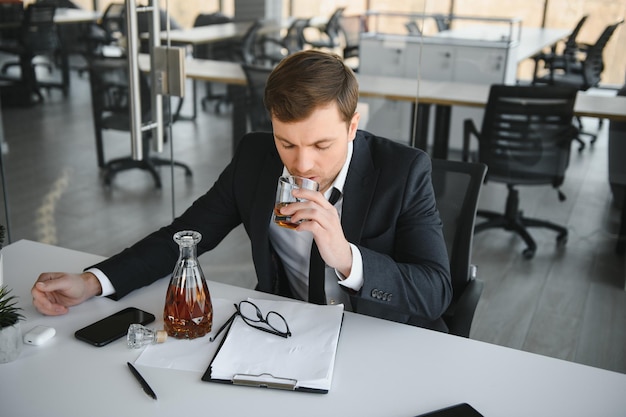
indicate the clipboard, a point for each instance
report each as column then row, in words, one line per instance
column 268, row 361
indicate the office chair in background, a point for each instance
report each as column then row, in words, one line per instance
column 258, row 117
column 221, row 51
column 329, row 35
column 580, row 73
column 275, row 49
column 351, row 28
column 457, row 188
column 37, row 36
column 111, row 27
column 442, row 22
column 108, row 79
column 571, row 50
column 525, row 139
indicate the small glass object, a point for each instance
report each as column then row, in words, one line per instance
column 139, row 336
column 188, row 310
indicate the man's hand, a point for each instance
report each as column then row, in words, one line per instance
column 323, row 221
column 54, row 292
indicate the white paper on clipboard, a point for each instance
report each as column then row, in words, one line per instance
column 307, row 357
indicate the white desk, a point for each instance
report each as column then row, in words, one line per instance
column 226, row 31
column 67, row 16
column 382, row 368
column 207, row 34
column 531, row 39
column 477, row 53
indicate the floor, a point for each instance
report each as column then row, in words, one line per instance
column 567, row 303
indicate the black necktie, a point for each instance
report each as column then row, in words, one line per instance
column 317, row 266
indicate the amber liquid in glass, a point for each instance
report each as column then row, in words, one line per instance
column 281, row 219
column 187, row 318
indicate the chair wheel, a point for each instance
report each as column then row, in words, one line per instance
column 528, row 253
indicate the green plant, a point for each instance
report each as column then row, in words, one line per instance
column 10, row 313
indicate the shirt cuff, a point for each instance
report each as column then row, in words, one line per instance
column 105, row 283
column 355, row 280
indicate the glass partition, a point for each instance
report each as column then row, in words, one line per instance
column 55, row 187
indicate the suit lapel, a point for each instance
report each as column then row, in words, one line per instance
column 358, row 190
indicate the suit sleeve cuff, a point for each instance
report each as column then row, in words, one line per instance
column 355, row 280
column 105, row 283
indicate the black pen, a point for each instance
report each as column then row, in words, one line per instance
column 144, row 385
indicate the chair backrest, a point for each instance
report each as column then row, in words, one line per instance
column 413, row 28
column 249, row 48
column 593, row 65
column 442, row 22
column 206, row 19
column 333, row 26
column 113, row 21
column 571, row 46
column 256, row 77
column 457, row 188
column 527, row 132
column 294, row 38
column 351, row 28
column 9, row 14
column 144, row 20
column 38, row 32
column 108, row 80
column 222, row 50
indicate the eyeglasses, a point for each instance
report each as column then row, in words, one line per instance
column 273, row 322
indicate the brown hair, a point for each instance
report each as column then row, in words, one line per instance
column 307, row 80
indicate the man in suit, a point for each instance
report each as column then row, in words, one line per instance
column 381, row 240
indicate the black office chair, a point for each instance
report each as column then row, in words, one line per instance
column 109, row 30
column 256, row 78
column 110, row 104
column 351, row 28
column 37, row 36
column 457, row 188
column 275, row 49
column 249, row 50
column 329, row 35
column 221, row 51
column 582, row 74
column 442, row 22
column 569, row 55
column 413, row 28
column 525, row 139
column 258, row 117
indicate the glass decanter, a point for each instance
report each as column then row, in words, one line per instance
column 188, row 310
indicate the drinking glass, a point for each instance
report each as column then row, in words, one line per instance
column 284, row 196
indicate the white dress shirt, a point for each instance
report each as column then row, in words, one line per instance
column 294, row 250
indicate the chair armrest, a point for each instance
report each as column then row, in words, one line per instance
column 460, row 314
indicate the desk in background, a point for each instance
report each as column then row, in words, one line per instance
column 477, row 53
column 444, row 94
column 425, row 93
column 382, row 368
column 225, row 31
column 62, row 16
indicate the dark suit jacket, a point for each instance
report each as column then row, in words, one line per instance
column 389, row 212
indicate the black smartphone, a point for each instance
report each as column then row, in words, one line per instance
column 113, row 327
column 457, row 410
